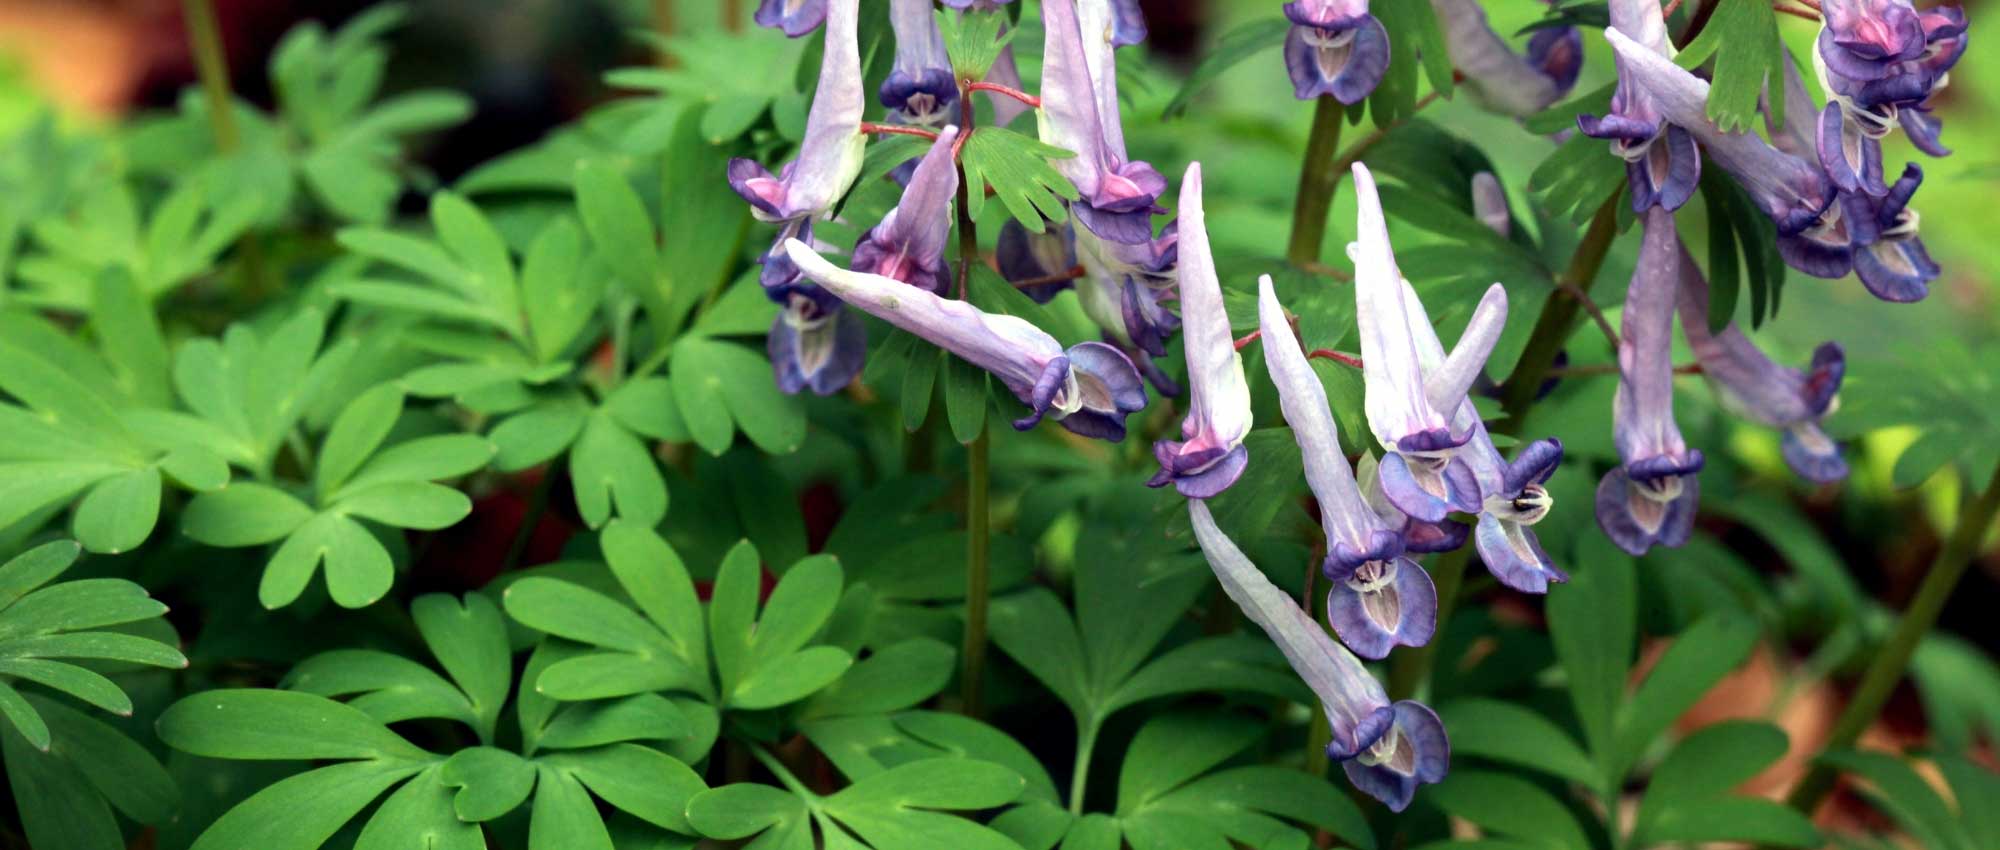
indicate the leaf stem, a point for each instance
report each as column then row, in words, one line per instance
column 1032, row 101
column 897, row 130
column 212, row 64
column 1879, row 680
column 1558, row 319
column 1318, row 175
column 1079, row 775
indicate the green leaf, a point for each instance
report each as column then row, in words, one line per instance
column 119, row 512
column 565, row 818
column 1743, row 38
column 469, row 639
column 116, row 766
column 83, row 684
column 640, row 717
column 790, row 678
column 611, row 467
column 1591, row 623
column 617, row 222
column 1034, row 629
column 1901, row 793
column 536, row 435
column 407, row 504
column 254, row 723
column 1248, row 39
column 1698, row 658
column 645, row 782
column 23, row 717
column 130, row 336
column 943, row 783
column 419, row 814
column 422, row 459
column 465, row 232
column 1504, row 731
column 1732, row 819
column 301, row 812
column 358, row 569
column 356, row 434
column 738, row 811
column 1017, row 168
column 558, row 293
column 1931, row 451
column 651, row 572
column 965, row 390
column 1687, row 797
column 1172, row 749
column 243, row 514
column 895, row 677
column 1510, row 806
column 490, row 782
column 726, row 374
column 34, row 568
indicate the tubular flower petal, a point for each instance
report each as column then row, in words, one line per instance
column 1751, row 385
column 794, row 17
column 1210, row 454
column 1335, row 48
column 1090, row 388
column 1887, row 254
column 1787, row 188
column 1388, row 748
column 830, row 157
column 1379, row 598
column 1499, row 79
column 1649, row 499
column 920, row 88
column 1080, row 113
column 1418, row 536
column 909, row 243
column 1421, row 474
column 1024, row 255
column 1662, row 164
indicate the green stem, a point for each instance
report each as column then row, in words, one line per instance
column 973, row 656
column 1409, row 670
column 1317, row 179
column 1880, row 679
column 1079, row 775
column 213, row 67
column 538, row 505
column 1558, row 319
column 784, row 774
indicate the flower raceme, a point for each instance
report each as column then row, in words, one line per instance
column 1387, row 749
column 1210, row 454
column 1650, row 498
column 1090, row 388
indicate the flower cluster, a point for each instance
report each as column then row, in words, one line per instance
column 1438, row 460
column 1823, row 184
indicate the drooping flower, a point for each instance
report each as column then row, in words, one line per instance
column 909, row 243
column 1387, row 749
column 1080, row 113
column 817, row 345
column 1421, row 474
column 1090, row 388
column 1123, row 285
column 1662, row 164
column 1650, row 498
column 1210, row 454
column 1750, row 384
column 1379, row 599
column 1888, row 255
column 1335, row 48
column 920, row 89
column 830, row 156
column 1499, row 79
column 1418, row 536
column 1880, row 61
column 794, row 17
column 1790, row 190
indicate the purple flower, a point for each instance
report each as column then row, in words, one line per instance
column 1123, row 285
column 1418, row 536
column 1515, row 500
column 1379, row 598
column 1025, row 255
column 1499, row 79
column 1649, row 499
column 1753, row 386
column 1662, row 164
column 909, row 243
column 1210, row 454
column 1489, row 203
column 794, row 17
column 1407, row 410
column 1387, row 749
column 1850, row 152
column 1080, row 113
column 1335, row 48
column 1090, row 388
column 830, row 157
column 1879, row 59
column 1887, row 254
column 920, row 89
column 1790, row 190
column 816, row 345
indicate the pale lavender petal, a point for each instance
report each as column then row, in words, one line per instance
column 794, row 17
column 821, row 351
column 830, row 156
column 1069, row 113
column 1414, row 751
column 1515, row 556
column 1489, row 203
column 1356, row 707
column 909, row 244
column 1637, row 521
column 1218, row 396
column 1644, row 412
column 1850, row 157
column 1395, row 399
column 1499, row 79
column 1446, row 384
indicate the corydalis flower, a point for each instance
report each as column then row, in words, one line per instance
column 1210, row 454
column 1662, row 164
column 830, row 157
column 1421, row 474
column 1649, row 499
column 1791, row 191
column 1024, row 255
column 1123, row 285
column 794, row 17
column 1886, row 252
column 1090, row 388
column 1499, row 79
column 1753, row 386
column 1379, row 598
column 1387, row 749
column 1080, row 113
column 920, row 88
column 909, row 243
column 1335, row 48
column 816, row 345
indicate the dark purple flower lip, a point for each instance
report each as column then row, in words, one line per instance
column 1346, row 58
column 794, row 17
column 1366, row 733
column 1342, row 558
column 1042, row 395
column 1382, row 605
column 1431, row 440
column 755, row 184
column 1558, row 53
column 929, row 94
column 1413, row 752
column 1536, row 462
column 1813, row 455
column 1446, row 536
column 1198, row 475
column 1657, row 467
column 1627, row 128
column 1147, row 323
column 1829, row 366
column 1323, row 19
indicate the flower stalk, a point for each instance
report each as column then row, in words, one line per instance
column 1318, row 177
column 972, row 655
